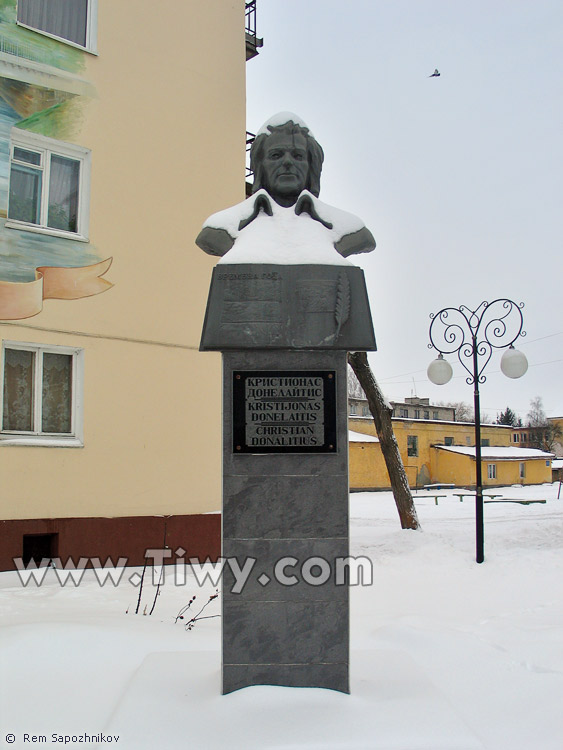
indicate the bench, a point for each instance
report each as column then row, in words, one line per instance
column 461, row 495
column 430, row 494
column 514, row 500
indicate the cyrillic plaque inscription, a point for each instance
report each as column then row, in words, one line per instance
column 284, row 412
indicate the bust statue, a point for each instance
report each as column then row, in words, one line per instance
column 287, row 161
column 283, row 279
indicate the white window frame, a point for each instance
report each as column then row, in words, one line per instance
column 45, row 146
column 491, row 471
column 73, row 439
column 91, row 30
column 522, row 471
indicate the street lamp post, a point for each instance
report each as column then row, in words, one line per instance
column 472, row 335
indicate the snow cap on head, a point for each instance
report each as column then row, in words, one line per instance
column 281, row 119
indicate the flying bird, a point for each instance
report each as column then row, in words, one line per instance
column 435, row 74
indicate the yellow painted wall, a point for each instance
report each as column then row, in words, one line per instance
column 460, row 470
column 419, row 468
column 367, row 465
column 167, row 133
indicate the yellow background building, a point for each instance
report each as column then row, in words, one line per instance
column 443, row 452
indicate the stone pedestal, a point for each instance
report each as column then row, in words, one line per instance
column 281, row 630
column 284, row 332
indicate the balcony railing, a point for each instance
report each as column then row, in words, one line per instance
column 252, row 41
column 249, row 141
column 249, row 173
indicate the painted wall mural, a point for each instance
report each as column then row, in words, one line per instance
column 42, row 93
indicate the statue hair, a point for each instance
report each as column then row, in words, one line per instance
column 315, row 156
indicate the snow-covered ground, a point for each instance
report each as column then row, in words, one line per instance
column 446, row 654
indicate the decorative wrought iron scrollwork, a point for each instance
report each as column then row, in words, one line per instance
column 473, row 334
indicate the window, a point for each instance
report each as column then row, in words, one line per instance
column 39, row 547
column 485, row 442
column 404, row 413
column 412, row 445
column 70, row 21
column 49, row 186
column 516, row 438
column 492, row 471
column 426, row 414
column 435, row 415
column 41, row 395
column 467, row 440
column 365, row 411
column 448, row 441
column 353, row 409
column 417, row 413
column 522, row 470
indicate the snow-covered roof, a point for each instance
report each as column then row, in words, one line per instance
column 498, row 452
column 358, row 437
column 557, row 463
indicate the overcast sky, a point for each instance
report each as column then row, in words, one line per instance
column 459, row 177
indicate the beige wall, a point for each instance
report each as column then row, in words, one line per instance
column 167, row 133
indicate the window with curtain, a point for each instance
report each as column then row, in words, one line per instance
column 69, row 20
column 48, row 184
column 412, row 445
column 40, row 390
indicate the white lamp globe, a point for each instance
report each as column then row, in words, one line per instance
column 513, row 363
column 439, row 371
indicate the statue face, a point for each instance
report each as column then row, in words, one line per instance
column 285, row 167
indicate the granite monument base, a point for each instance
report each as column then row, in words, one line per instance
column 285, row 513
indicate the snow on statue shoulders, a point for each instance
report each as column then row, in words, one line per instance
column 283, row 221
column 262, row 231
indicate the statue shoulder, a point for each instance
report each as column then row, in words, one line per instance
column 349, row 233
column 221, row 229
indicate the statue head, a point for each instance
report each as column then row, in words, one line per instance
column 286, row 159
